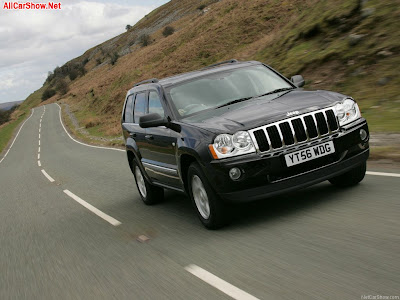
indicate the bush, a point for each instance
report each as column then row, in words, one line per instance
column 6, row 114
column 127, row 27
column 98, row 61
column 145, row 40
column 61, row 86
column 73, row 74
column 114, row 58
column 168, row 31
column 201, row 7
column 48, row 94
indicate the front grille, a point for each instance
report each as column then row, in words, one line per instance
column 295, row 130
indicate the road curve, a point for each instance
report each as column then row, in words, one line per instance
column 72, row 226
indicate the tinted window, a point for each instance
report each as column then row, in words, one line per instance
column 155, row 104
column 140, row 106
column 129, row 110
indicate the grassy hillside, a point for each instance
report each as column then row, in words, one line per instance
column 350, row 46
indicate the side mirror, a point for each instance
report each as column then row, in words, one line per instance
column 152, row 120
column 298, row 80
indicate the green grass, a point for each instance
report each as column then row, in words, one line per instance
column 23, row 111
column 7, row 131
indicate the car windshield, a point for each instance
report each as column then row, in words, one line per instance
column 221, row 89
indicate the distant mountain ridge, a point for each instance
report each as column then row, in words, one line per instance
column 9, row 105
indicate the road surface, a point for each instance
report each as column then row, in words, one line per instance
column 72, row 226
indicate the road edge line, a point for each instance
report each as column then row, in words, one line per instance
column 12, row 144
column 383, row 174
column 47, row 176
column 76, row 141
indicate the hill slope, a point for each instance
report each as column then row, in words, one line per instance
column 350, row 46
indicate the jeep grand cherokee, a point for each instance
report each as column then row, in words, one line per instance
column 239, row 131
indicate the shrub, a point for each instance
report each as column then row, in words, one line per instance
column 114, row 58
column 61, row 86
column 201, row 7
column 145, row 40
column 48, row 93
column 168, row 31
column 73, row 74
column 98, row 61
column 127, row 27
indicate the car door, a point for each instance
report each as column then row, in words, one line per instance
column 133, row 133
column 158, row 154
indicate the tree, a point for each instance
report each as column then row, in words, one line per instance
column 48, row 93
column 114, row 58
column 127, row 27
column 168, row 31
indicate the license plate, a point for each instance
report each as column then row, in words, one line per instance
column 308, row 154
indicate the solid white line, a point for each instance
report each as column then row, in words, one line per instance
column 219, row 284
column 93, row 209
column 98, row 147
column 39, row 163
column 38, row 156
column 383, row 174
column 17, row 136
column 47, row 176
column 39, row 150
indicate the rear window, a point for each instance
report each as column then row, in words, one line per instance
column 140, row 106
column 128, row 118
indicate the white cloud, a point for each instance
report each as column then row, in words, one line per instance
column 33, row 42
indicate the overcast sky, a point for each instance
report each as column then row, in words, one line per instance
column 33, row 42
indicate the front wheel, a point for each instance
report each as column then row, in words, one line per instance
column 350, row 178
column 149, row 193
column 210, row 209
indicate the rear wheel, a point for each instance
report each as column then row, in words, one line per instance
column 350, row 178
column 210, row 208
column 149, row 193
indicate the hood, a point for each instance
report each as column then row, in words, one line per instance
column 260, row 111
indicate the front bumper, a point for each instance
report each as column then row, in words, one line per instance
column 269, row 176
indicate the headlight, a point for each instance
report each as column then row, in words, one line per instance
column 226, row 145
column 347, row 111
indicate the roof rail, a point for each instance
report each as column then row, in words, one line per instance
column 153, row 80
column 230, row 61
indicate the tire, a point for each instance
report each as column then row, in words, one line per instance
column 210, row 208
column 149, row 193
column 350, row 178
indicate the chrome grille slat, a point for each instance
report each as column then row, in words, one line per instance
column 273, row 131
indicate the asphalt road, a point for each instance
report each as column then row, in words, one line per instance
column 317, row 243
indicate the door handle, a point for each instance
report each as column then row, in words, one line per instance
column 132, row 134
column 149, row 137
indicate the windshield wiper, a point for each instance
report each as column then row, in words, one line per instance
column 276, row 91
column 235, row 101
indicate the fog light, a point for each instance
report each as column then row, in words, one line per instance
column 363, row 134
column 235, row 173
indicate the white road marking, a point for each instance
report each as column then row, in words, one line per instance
column 38, row 156
column 47, row 176
column 93, row 209
column 98, row 147
column 40, row 129
column 219, row 284
column 39, row 136
column 39, row 163
column 39, row 142
column 16, row 136
column 383, row 174
column 39, row 150
column 40, row 125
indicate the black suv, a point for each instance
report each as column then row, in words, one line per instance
column 239, row 131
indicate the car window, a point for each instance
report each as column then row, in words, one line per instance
column 128, row 118
column 140, row 106
column 155, row 105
